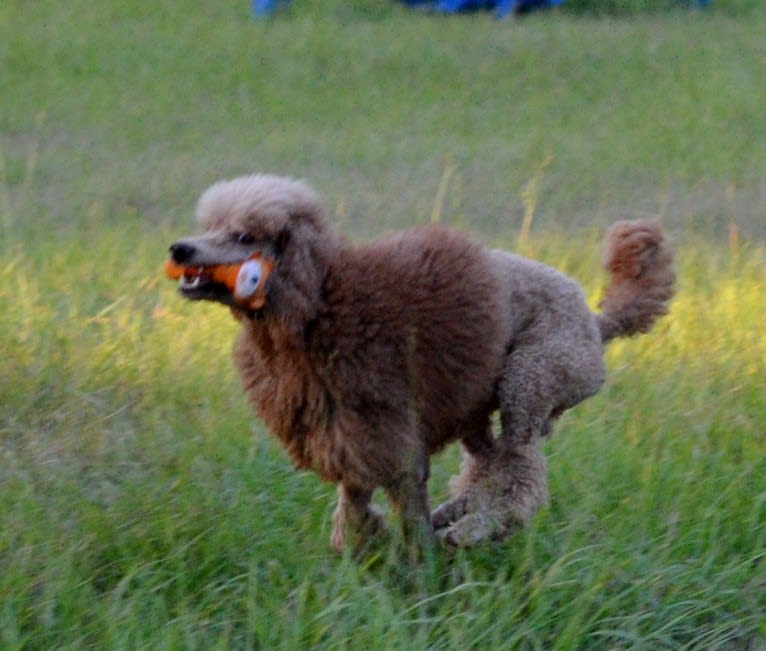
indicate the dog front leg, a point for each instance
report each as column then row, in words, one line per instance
column 408, row 496
column 355, row 519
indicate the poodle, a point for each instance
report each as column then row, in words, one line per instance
column 366, row 359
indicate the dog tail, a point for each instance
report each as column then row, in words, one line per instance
column 640, row 262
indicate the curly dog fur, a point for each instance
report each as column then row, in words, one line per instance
column 367, row 359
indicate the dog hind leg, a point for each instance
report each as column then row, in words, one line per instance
column 500, row 489
column 542, row 380
column 494, row 495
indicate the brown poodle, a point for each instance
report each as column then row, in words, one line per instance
column 367, row 359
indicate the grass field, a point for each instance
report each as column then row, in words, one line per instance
column 141, row 504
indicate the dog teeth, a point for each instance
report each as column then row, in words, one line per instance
column 187, row 283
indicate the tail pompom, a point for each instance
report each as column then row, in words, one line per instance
column 640, row 262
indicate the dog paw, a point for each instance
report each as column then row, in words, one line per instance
column 477, row 527
column 449, row 512
column 462, row 522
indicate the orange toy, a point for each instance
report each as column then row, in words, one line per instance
column 246, row 280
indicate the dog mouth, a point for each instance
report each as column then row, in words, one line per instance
column 196, row 284
column 242, row 284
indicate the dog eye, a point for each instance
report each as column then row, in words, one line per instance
column 244, row 238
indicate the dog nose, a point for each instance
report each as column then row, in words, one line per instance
column 181, row 251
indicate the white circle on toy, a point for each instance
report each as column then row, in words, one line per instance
column 248, row 279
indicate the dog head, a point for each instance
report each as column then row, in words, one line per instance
column 273, row 218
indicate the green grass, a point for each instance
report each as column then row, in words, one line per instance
column 141, row 504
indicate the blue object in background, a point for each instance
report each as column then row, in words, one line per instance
column 263, row 7
column 453, row 6
column 505, row 7
column 502, row 7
